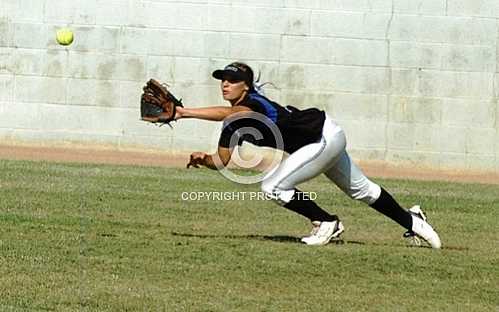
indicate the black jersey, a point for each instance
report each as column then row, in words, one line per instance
column 297, row 127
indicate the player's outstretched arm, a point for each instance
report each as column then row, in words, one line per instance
column 213, row 113
column 210, row 161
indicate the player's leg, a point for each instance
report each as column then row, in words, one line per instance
column 351, row 180
column 299, row 167
column 303, row 165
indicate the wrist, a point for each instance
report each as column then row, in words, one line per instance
column 209, row 163
column 205, row 159
column 179, row 112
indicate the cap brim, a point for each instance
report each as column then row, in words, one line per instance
column 220, row 74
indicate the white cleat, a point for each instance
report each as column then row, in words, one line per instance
column 416, row 210
column 422, row 229
column 315, row 228
column 323, row 232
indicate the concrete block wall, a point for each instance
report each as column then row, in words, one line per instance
column 413, row 82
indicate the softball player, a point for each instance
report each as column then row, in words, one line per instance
column 315, row 144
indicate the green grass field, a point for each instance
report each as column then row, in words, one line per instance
column 120, row 238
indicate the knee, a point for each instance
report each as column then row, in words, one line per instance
column 367, row 192
column 275, row 192
column 268, row 187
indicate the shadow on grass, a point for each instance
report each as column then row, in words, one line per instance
column 274, row 238
column 296, row 240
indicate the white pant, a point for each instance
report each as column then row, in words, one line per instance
column 328, row 156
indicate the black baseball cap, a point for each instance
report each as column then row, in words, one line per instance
column 236, row 71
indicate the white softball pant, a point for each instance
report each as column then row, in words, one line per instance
column 328, row 156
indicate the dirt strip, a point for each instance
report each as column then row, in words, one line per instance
column 155, row 158
column 90, row 155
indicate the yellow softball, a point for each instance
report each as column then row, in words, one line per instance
column 64, row 36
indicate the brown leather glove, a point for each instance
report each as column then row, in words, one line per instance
column 157, row 104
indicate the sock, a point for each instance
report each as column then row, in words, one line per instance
column 303, row 205
column 390, row 208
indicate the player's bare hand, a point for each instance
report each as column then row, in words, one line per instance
column 197, row 158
